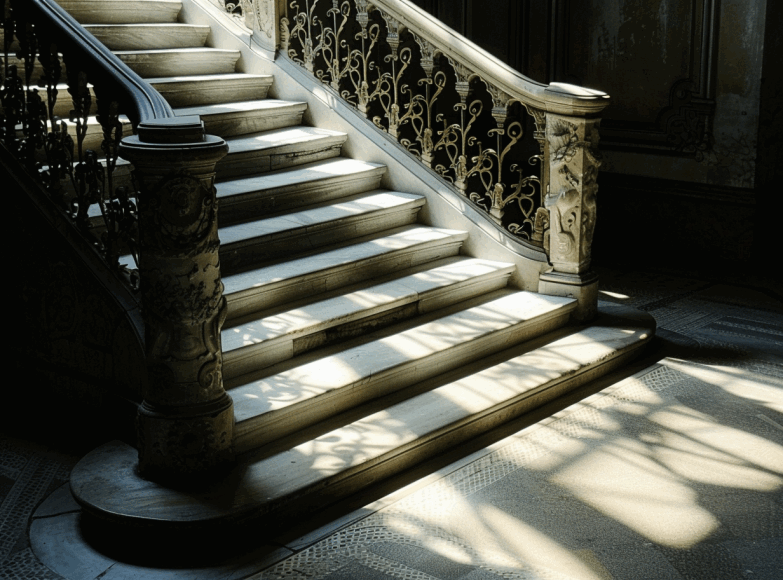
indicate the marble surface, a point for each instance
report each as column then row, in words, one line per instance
column 673, row 473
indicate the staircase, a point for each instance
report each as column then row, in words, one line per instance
column 359, row 340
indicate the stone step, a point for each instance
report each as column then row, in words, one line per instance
column 285, row 189
column 242, row 118
column 261, row 342
column 248, row 244
column 169, row 62
column 363, row 259
column 122, row 11
column 292, row 401
column 277, row 149
column 190, row 91
column 294, row 187
column 145, row 36
column 341, row 460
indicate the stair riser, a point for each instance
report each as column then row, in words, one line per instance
column 238, row 207
column 313, row 498
column 127, row 12
column 150, row 37
column 259, row 431
column 166, row 65
column 234, row 257
column 257, row 357
column 190, row 93
column 250, row 122
column 245, row 303
column 253, row 162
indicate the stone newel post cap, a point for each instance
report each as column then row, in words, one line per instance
column 188, row 129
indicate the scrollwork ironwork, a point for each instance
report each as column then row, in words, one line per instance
column 426, row 101
column 53, row 149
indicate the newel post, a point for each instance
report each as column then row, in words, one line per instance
column 572, row 162
column 185, row 423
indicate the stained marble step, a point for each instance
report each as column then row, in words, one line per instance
column 259, row 343
column 144, row 36
column 284, row 236
column 306, row 478
column 363, row 259
column 122, row 11
column 242, row 118
column 294, row 187
column 179, row 61
column 191, row 91
column 277, row 149
column 292, row 401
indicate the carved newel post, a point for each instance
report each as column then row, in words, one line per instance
column 185, row 423
column 571, row 149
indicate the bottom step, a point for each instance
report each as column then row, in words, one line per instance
column 314, row 474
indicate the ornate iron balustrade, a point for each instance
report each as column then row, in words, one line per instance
column 75, row 177
column 169, row 224
column 524, row 151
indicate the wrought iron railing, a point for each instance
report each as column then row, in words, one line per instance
column 47, row 53
column 168, row 223
column 517, row 148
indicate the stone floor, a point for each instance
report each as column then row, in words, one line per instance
column 675, row 472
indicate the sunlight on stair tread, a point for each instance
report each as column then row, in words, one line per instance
column 304, row 266
column 335, row 167
column 388, row 355
column 368, row 301
column 366, row 204
column 240, row 107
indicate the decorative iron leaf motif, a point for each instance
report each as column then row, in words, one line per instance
column 53, row 149
column 471, row 133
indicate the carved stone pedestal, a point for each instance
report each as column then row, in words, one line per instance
column 185, row 423
column 583, row 287
column 570, row 201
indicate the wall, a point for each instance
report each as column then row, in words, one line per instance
column 680, row 139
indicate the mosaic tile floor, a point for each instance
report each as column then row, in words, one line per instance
column 688, row 452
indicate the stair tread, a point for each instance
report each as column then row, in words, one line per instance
column 313, row 218
column 435, row 413
column 326, row 313
column 221, row 77
column 288, row 139
column 335, row 168
column 342, row 460
column 241, row 108
column 133, row 36
column 356, row 365
column 194, row 50
column 185, row 90
column 279, row 274
column 124, row 11
column 247, row 117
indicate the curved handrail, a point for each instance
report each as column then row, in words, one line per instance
column 139, row 100
column 559, row 98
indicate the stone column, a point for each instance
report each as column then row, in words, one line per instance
column 185, row 423
column 571, row 150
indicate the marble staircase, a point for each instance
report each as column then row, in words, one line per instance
column 359, row 340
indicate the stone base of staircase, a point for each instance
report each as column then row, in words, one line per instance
column 338, row 457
